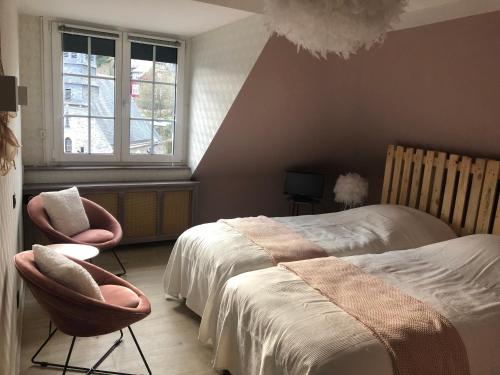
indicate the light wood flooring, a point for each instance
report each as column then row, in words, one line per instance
column 168, row 336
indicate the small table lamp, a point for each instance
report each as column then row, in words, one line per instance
column 351, row 189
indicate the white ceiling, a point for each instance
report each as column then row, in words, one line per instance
column 418, row 12
column 181, row 18
column 186, row 18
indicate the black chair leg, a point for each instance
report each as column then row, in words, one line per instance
column 92, row 370
column 69, row 355
column 124, row 271
column 140, row 351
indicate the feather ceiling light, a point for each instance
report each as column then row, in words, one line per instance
column 338, row 26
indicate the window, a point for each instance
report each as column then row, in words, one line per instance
column 153, row 80
column 117, row 96
column 89, row 116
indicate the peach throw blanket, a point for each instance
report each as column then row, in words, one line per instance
column 419, row 340
column 280, row 242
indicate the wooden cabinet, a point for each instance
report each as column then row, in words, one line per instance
column 147, row 211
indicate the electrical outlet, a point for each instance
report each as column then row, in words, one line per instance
column 14, row 201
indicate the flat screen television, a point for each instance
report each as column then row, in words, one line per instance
column 304, row 184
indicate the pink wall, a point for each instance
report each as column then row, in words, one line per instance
column 435, row 86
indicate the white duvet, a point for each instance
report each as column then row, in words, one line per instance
column 206, row 256
column 271, row 322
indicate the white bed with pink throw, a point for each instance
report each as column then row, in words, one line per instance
column 273, row 322
column 206, row 256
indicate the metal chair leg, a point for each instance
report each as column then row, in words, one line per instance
column 69, row 355
column 140, row 351
column 124, row 271
column 92, row 370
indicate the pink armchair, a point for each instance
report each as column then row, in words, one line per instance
column 80, row 316
column 105, row 231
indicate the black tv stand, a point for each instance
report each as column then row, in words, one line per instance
column 298, row 201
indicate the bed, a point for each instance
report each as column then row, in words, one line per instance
column 424, row 193
column 272, row 322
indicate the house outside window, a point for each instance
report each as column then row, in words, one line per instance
column 118, row 97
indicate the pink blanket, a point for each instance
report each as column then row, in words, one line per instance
column 419, row 340
column 280, row 242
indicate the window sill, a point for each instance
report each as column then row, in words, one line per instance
column 105, row 173
column 103, row 166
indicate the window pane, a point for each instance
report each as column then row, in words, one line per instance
column 102, row 133
column 76, row 135
column 141, row 100
column 75, row 43
column 102, row 97
column 141, row 70
column 103, row 57
column 140, row 136
column 165, row 72
column 166, row 54
column 75, row 63
column 164, row 102
column 104, row 66
column 102, row 47
column 163, row 138
column 140, row 51
column 76, row 95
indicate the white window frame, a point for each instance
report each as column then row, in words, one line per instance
column 122, row 102
column 179, row 128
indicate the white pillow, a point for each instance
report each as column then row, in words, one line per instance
column 65, row 210
column 66, row 272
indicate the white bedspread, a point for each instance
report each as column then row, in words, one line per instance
column 206, row 256
column 271, row 322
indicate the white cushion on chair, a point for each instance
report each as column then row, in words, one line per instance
column 65, row 210
column 66, row 272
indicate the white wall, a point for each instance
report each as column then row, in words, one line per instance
column 221, row 61
column 30, row 70
column 9, row 217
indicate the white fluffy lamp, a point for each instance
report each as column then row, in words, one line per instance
column 351, row 190
column 338, row 26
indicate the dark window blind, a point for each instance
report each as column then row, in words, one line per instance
column 141, row 51
column 79, row 44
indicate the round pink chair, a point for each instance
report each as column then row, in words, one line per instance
column 80, row 316
column 105, row 231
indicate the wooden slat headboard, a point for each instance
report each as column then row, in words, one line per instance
column 462, row 191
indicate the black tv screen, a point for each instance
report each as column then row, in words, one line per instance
column 304, row 184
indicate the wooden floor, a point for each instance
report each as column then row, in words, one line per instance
column 168, row 336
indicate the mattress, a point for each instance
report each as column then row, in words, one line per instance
column 206, row 256
column 272, row 322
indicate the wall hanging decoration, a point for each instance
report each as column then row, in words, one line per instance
column 338, row 26
column 9, row 145
column 351, row 190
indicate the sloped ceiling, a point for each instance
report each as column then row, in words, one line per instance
column 247, row 5
column 434, row 86
column 220, row 63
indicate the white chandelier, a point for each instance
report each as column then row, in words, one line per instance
column 338, row 26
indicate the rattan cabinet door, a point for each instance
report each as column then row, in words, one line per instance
column 109, row 201
column 176, row 212
column 140, row 214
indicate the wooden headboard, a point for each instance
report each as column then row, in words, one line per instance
column 462, row 191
